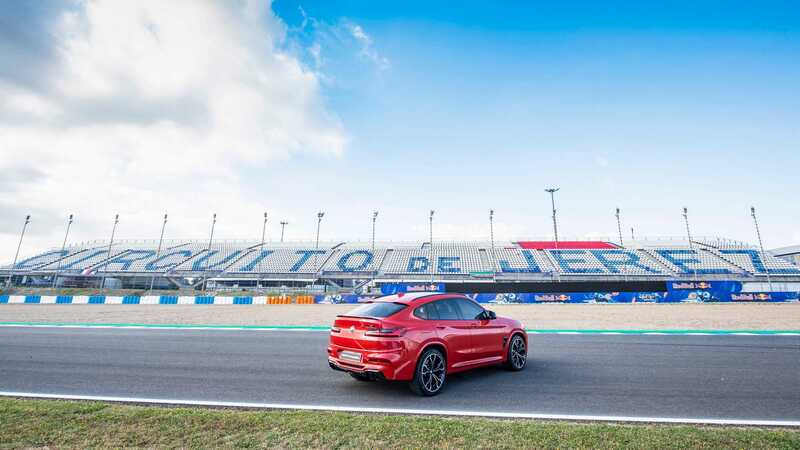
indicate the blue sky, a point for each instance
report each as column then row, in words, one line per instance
column 648, row 109
column 406, row 107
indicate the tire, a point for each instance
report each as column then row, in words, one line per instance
column 360, row 376
column 430, row 374
column 517, row 354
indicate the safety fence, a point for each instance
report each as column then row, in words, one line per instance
column 672, row 296
column 686, row 296
column 156, row 300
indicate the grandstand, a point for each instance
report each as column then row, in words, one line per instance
column 182, row 264
column 791, row 254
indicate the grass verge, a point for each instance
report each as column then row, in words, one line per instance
column 66, row 424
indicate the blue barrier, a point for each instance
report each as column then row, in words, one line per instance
column 3, row 299
column 97, row 299
column 338, row 299
column 168, row 300
column 33, row 298
column 130, row 300
column 242, row 300
column 64, row 299
column 204, row 300
column 396, row 288
column 571, row 297
column 721, row 291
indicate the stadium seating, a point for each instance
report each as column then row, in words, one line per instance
column 84, row 261
column 450, row 260
column 353, row 259
column 515, row 260
column 683, row 260
column 148, row 259
column 756, row 262
column 290, row 259
column 46, row 258
column 604, row 262
column 627, row 262
column 215, row 258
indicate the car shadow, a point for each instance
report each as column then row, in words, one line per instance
column 461, row 383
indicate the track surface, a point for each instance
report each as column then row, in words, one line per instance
column 731, row 377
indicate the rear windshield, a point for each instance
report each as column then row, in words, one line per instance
column 379, row 309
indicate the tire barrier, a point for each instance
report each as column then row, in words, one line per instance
column 279, row 300
column 305, row 300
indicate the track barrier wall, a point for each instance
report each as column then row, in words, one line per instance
column 678, row 291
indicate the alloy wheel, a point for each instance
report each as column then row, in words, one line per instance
column 432, row 372
column 518, row 353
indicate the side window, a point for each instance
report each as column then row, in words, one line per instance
column 426, row 312
column 469, row 309
column 447, row 310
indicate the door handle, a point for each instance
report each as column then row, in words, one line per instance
column 440, row 327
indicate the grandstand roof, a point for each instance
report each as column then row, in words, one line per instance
column 546, row 245
column 785, row 251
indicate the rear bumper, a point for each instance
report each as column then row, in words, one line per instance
column 377, row 365
column 372, row 374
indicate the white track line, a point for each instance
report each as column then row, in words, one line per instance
column 429, row 412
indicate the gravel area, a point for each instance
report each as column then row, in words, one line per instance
column 768, row 316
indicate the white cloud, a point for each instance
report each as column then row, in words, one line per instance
column 154, row 106
column 336, row 50
column 367, row 50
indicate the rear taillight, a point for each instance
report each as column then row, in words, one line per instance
column 386, row 332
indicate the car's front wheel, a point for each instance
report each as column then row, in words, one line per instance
column 430, row 375
column 517, row 353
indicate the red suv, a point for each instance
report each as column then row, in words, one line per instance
column 422, row 338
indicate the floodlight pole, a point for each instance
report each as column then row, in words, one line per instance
column 430, row 244
column 158, row 251
column 552, row 192
column 283, row 227
column 633, row 236
column 688, row 230
column 689, row 234
column 208, row 251
column 263, row 237
column 491, row 239
column 374, row 218
column 19, row 246
column 619, row 230
column 264, row 231
column 108, row 254
column 61, row 257
column 761, row 245
column 320, row 215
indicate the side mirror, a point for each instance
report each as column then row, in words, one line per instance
column 488, row 315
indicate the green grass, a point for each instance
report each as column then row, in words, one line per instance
column 64, row 424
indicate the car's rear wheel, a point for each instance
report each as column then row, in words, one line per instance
column 360, row 376
column 430, row 375
column 517, row 353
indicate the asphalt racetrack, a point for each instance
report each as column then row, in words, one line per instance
column 708, row 377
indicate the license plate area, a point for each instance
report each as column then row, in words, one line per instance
column 347, row 355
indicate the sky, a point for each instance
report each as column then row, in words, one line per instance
column 192, row 108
